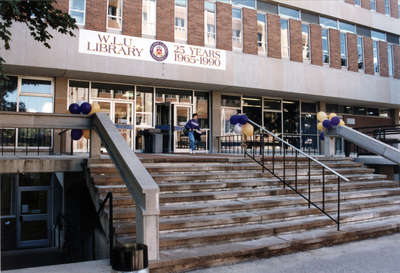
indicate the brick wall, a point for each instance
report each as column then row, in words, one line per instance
column 350, row 1
column 380, row 6
column 165, row 20
column 62, row 5
column 396, row 63
column 274, row 36
column 250, row 31
column 394, row 11
column 316, row 44
column 352, row 54
column 196, row 22
column 334, row 49
column 368, row 56
column 383, row 59
column 224, row 26
column 365, row 4
column 296, row 45
column 96, row 15
column 132, row 18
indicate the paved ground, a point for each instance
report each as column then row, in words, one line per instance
column 380, row 255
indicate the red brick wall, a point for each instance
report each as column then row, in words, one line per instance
column 132, row 18
column 383, row 59
column 196, row 22
column 394, row 11
column 380, row 6
column 296, row 45
column 368, row 56
column 396, row 57
column 334, row 49
column 350, row 1
column 365, row 4
column 62, row 5
column 96, row 15
column 224, row 26
column 274, row 36
column 250, row 31
column 316, row 44
column 352, row 54
column 165, row 20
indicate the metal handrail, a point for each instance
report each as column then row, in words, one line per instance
column 109, row 197
column 300, row 151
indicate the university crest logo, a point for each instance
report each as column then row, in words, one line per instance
column 159, row 51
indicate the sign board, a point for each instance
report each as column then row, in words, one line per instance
column 128, row 47
column 350, row 121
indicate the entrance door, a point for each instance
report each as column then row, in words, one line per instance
column 33, row 215
column 182, row 114
column 291, row 122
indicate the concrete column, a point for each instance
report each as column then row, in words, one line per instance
column 216, row 118
column 329, row 146
column 396, row 116
column 95, row 144
column 147, row 231
column 61, row 142
column 322, row 106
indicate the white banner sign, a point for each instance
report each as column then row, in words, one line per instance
column 115, row 45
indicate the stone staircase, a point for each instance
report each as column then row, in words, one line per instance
column 218, row 210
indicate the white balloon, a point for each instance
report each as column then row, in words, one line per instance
column 238, row 129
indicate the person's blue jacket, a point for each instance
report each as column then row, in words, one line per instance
column 192, row 124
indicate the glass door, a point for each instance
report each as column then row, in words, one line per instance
column 33, row 215
column 291, row 122
column 123, row 119
column 182, row 114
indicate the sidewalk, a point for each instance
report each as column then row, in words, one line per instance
column 380, row 255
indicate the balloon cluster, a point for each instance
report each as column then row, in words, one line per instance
column 242, row 125
column 327, row 122
column 84, row 108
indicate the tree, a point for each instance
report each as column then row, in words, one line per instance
column 38, row 15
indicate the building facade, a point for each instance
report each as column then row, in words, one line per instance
column 152, row 63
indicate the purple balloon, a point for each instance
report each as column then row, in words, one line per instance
column 335, row 121
column 85, row 108
column 74, row 108
column 321, row 136
column 327, row 124
column 76, row 134
column 235, row 119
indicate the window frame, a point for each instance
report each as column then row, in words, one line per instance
column 154, row 27
column 360, row 38
column 185, row 27
column 76, row 10
column 238, row 49
column 206, row 33
column 265, row 31
column 115, row 16
column 309, row 42
column 390, row 60
column 288, row 37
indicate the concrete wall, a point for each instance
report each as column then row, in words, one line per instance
column 245, row 73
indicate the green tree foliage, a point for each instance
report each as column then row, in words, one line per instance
column 40, row 16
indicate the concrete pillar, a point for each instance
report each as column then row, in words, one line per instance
column 147, row 230
column 329, row 146
column 95, row 144
column 322, row 106
column 396, row 117
column 61, row 142
column 216, row 118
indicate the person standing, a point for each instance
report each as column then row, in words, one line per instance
column 193, row 127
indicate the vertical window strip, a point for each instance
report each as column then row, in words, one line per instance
column 149, row 13
column 375, row 46
column 390, row 60
column 237, row 28
column 306, row 42
column 360, row 52
column 77, row 10
column 114, row 14
column 285, row 38
column 325, row 45
column 261, row 33
column 210, row 23
column 343, row 49
column 180, row 20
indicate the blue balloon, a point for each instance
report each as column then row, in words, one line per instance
column 85, row 108
column 327, row 124
column 74, row 108
column 76, row 134
column 321, row 136
column 335, row 121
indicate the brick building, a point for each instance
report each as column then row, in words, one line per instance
column 152, row 63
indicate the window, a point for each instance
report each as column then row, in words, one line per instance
column 267, row 7
column 377, row 35
column 357, row 2
column 8, row 94
column 245, row 3
column 292, row 13
column 7, row 185
column 373, row 5
column 149, row 18
column 398, row 6
column 285, row 38
column 202, row 101
column 36, row 96
column 325, row 45
column 360, row 51
column 144, row 106
column 375, row 47
column 114, row 14
column 305, row 34
column 109, row 90
column 210, row 22
column 390, row 60
column 327, row 22
column 309, row 18
column 387, row 7
column 237, row 28
column 347, row 27
column 230, row 101
column 261, row 33
column 180, row 20
column 77, row 11
column 343, row 49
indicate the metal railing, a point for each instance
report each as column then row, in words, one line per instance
column 111, row 230
column 272, row 153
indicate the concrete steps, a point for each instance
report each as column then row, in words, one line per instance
column 221, row 209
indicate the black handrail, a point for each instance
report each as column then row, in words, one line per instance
column 111, row 230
